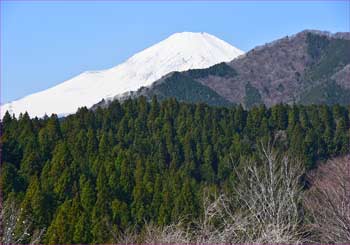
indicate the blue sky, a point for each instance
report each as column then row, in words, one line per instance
column 45, row 43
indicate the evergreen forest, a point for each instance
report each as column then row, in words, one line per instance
column 92, row 176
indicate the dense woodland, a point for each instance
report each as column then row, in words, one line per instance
column 94, row 174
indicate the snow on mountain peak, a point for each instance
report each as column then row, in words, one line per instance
column 178, row 52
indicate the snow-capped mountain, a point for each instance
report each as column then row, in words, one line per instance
column 179, row 52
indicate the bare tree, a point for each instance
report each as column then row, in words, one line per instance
column 265, row 209
column 269, row 195
column 328, row 200
column 153, row 234
column 169, row 234
column 16, row 228
column 129, row 236
column 219, row 223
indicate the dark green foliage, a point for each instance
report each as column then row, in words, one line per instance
column 328, row 93
column 252, row 96
column 316, row 44
column 220, row 70
column 332, row 55
column 96, row 172
column 10, row 180
column 184, row 88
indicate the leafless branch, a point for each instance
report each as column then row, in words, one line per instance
column 16, row 228
column 328, row 200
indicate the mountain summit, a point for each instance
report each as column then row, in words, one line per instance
column 179, row 52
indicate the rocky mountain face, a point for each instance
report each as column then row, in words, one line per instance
column 311, row 67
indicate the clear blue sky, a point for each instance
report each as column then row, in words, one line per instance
column 45, row 43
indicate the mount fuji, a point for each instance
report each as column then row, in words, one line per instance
column 178, row 52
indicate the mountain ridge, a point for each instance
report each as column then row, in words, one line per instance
column 303, row 68
column 178, row 52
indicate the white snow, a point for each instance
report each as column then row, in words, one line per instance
column 179, row 52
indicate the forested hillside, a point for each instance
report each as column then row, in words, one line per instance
column 95, row 174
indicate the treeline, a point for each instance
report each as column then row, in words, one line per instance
column 94, row 174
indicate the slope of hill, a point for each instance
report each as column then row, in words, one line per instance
column 309, row 67
column 181, row 86
column 179, row 52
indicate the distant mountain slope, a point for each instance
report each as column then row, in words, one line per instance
column 179, row 52
column 176, row 85
column 287, row 69
column 184, row 86
column 309, row 67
